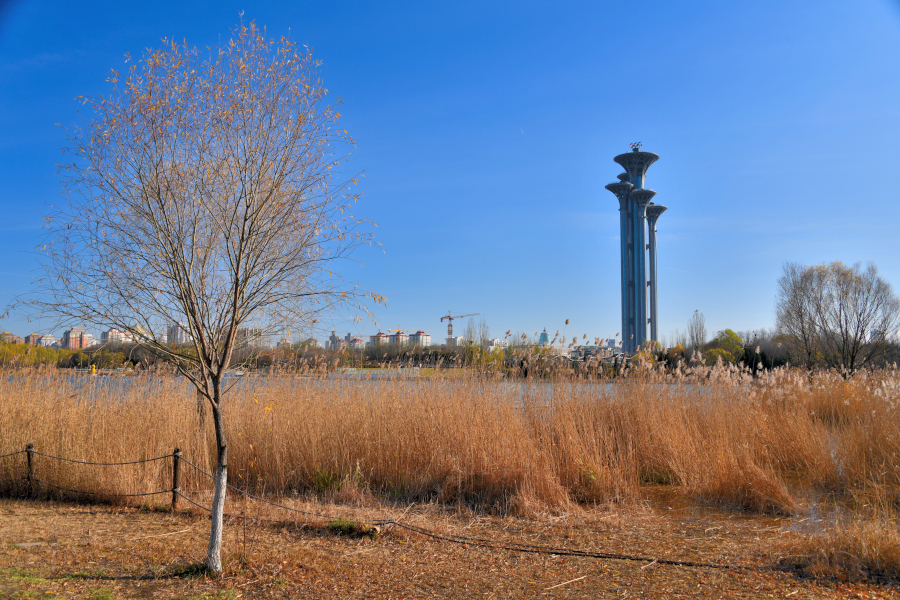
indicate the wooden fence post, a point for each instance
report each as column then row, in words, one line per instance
column 29, row 452
column 176, row 484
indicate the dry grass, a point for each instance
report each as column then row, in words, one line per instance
column 861, row 541
column 855, row 550
column 61, row 550
column 496, row 444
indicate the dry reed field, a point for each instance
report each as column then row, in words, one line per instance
column 780, row 444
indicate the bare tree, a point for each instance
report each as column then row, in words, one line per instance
column 203, row 193
column 795, row 311
column 842, row 316
column 471, row 334
column 484, row 332
column 696, row 330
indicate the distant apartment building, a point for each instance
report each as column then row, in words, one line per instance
column 336, row 343
column 456, row 340
column 420, row 339
column 90, row 340
column 10, row 338
column 73, row 339
column 312, row 343
column 32, row 340
column 357, row 344
column 47, row 341
column 250, row 337
column 398, row 338
column 177, row 333
column 495, row 344
column 284, row 343
column 116, row 337
column 608, row 350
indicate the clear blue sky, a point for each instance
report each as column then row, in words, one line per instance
column 486, row 131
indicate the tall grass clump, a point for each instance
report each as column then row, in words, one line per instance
column 861, row 541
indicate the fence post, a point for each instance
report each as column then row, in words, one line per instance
column 29, row 452
column 176, row 483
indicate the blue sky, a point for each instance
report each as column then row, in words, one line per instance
column 486, row 132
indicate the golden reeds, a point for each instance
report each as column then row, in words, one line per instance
column 507, row 445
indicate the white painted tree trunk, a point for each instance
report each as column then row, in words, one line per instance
column 214, row 553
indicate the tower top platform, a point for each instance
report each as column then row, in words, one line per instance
column 620, row 189
column 654, row 210
column 636, row 164
column 642, row 196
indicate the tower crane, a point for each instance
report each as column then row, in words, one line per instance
column 450, row 316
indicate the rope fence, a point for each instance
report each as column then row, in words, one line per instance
column 102, row 464
column 177, row 494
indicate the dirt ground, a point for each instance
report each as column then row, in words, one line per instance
column 64, row 550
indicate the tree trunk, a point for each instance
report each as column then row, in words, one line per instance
column 214, row 552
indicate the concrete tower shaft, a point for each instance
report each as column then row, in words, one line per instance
column 640, row 199
column 636, row 164
column 626, row 250
column 653, row 213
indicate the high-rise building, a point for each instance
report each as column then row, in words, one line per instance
column 399, row 338
column 116, row 337
column 47, row 341
column 73, row 339
column 177, row 333
column 496, row 344
column 378, row 339
column 250, row 336
column 637, row 227
column 420, row 338
column 544, row 339
column 334, row 342
column 10, row 338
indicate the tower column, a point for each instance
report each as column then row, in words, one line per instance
column 653, row 213
column 626, row 246
column 641, row 199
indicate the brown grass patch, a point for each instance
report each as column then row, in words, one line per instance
column 79, row 551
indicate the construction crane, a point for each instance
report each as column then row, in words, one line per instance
column 450, row 316
column 399, row 333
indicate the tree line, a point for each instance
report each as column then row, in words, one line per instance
column 829, row 315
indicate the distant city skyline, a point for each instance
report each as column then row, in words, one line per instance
column 485, row 133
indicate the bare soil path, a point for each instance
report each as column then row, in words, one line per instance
column 62, row 550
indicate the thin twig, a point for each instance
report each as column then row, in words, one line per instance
column 160, row 535
column 566, row 583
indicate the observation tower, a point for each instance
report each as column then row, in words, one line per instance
column 637, row 231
